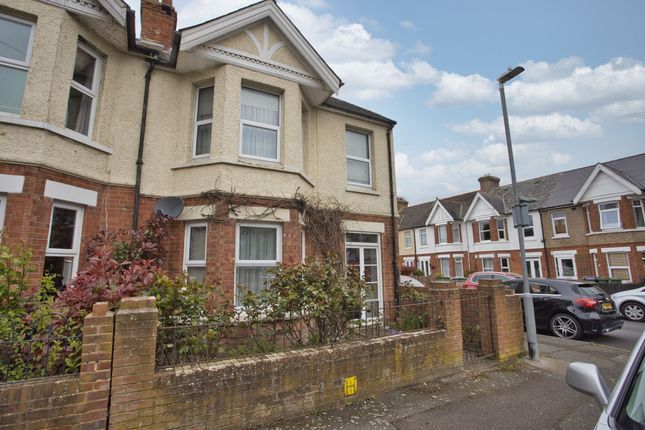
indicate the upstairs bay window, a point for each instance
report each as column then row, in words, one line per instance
column 501, row 229
column 484, row 231
column 359, row 163
column 443, row 233
column 456, row 233
column 83, row 92
column 258, row 249
column 16, row 36
column 203, row 122
column 639, row 213
column 423, row 237
column 260, row 124
column 609, row 215
column 559, row 222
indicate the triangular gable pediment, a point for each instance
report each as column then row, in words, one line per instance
column 261, row 37
column 604, row 183
column 101, row 9
column 479, row 209
column 438, row 215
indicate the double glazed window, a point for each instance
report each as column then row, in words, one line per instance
column 618, row 265
column 445, row 266
column 501, row 229
column 362, row 250
column 423, row 237
column 407, row 238
column 359, row 164
column 639, row 213
column 484, row 231
column 195, row 251
column 505, row 264
column 443, row 234
column 15, row 51
column 203, row 122
column 260, row 124
column 61, row 255
column 565, row 267
column 487, row 264
column 456, row 234
column 609, row 215
column 424, row 265
column 459, row 267
column 559, row 221
column 258, row 249
column 83, row 91
column 529, row 231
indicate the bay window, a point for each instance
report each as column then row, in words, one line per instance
column 484, row 231
column 487, row 264
column 260, row 124
column 358, row 156
column 63, row 243
column 258, row 249
column 203, row 122
column 501, row 229
column 195, row 251
column 609, row 215
column 459, row 267
column 83, row 92
column 639, row 213
column 16, row 37
column 456, row 233
column 443, row 234
column 445, row 267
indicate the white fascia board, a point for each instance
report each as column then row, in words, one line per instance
column 117, row 8
column 70, row 193
column 443, row 256
column 486, row 256
column 11, row 183
column 616, row 249
column 434, row 210
column 504, row 255
column 601, row 168
column 534, row 254
column 477, row 197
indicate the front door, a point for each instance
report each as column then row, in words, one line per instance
column 365, row 256
column 533, row 268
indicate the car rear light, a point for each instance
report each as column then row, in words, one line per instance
column 586, row 303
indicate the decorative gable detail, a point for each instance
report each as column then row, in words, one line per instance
column 604, row 183
column 480, row 209
column 439, row 215
column 102, row 9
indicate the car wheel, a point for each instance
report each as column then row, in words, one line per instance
column 566, row 326
column 633, row 311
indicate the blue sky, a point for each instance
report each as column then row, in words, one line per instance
column 432, row 65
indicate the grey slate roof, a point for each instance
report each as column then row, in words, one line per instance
column 548, row 191
column 342, row 105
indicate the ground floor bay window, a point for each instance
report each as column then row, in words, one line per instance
column 362, row 251
column 63, row 243
column 258, row 248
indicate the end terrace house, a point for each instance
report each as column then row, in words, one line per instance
column 97, row 125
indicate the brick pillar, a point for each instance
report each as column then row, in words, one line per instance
column 133, row 368
column 448, row 294
column 506, row 320
column 96, row 361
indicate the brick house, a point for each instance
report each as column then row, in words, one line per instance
column 96, row 126
column 587, row 222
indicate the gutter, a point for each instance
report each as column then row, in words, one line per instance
column 394, row 229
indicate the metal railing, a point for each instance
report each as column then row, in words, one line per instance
column 241, row 336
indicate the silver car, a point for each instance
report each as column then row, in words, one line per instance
column 631, row 303
column 624, row 409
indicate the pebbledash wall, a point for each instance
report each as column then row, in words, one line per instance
column 121, row 389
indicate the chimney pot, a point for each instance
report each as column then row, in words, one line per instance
column 488, row 182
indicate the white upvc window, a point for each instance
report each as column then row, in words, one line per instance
column 443, row 234
column 529, row 231
column 260, row 125
column 456, row 233
column 258, row 248
column 639, row 213
column 566, row 266
column 359, row 158
column 501, row 229
column 618, row 266
column 3, row 209
column 559, row 222
column 16, row 39
column 459, row 267
column 445, row 267
column 195, row 250
column 83, row 91
column 423, row 237
column 424, row 265
column 487, row 264
column 203, row 122
column 408, row 262
column 609, row 215
column 505, row 264
column 363, row 251
column 407, row 237
column 63, row 242
column 484, row 231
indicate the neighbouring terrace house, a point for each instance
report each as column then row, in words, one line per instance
column 97, row 125
column 587, row 222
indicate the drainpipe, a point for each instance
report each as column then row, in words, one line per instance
column 395, row 252
column 546, row 256
column 142, row 135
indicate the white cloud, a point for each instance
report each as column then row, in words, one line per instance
column 454, row 90
column 408, row 25
column 441, row 155
column 419, row 48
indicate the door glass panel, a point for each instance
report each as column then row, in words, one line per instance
column 371, row 273
column 370, row 256
column 62, row 228
column 362, row 237
column 353, row 256
column 371, row 292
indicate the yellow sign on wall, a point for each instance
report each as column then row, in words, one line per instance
column 350, row 385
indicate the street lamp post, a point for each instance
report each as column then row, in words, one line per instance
column 521, row 220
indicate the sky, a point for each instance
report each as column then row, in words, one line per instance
column 432, row 67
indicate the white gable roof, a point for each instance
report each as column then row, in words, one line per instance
column 438, row 215
column 604, row 183
column 480, row 209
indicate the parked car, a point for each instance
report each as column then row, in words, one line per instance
column 410, row 281
column 570, row 309
column 473, row 279
column 631, row 303
column 625, row 407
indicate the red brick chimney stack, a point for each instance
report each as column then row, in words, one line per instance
column 488, row 182
column 158, row 21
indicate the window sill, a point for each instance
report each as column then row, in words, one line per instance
column 562, row 236
column 64, row 132
column 369, row 191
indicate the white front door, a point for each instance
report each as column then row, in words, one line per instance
column 365, row 256
column 533, row 268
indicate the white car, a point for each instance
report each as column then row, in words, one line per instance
column 409, row 280
column 631, row 303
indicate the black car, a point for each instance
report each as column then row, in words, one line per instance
column 570, row 309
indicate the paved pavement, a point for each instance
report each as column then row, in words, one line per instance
column 523, row 395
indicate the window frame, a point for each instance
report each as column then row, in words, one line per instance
column 553, row 220
column 558, row 266
column 501, row 230
column 635, row 208
column 423, row 237
column 628, row 268
column 505, row 268
column 255, row 263
column 74, row 252
column 194, row 263
column 424, row 265
column 407, row 239
column 456, row 238
column 3, row 210
column 492, row 264
column 529, row 227
column 459, row 262
column 616, row 209
column 362, row 246
column 92, row 93
column 260, row 125
column 442, row 228
column 481, row 231
column 197, row 123
column 367, row 160
column 445, row 260
column 19, row 65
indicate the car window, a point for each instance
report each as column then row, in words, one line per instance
column 475, row 278
column 631, row 414
column 590, row 290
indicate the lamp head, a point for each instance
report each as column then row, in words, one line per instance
column 510, row 74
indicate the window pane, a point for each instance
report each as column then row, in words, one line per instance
column 610, row 218
column 197, row 244
column 197, row 273
column 371, row 273
column 371, row 292
column 459, row 268
column 560, row 226
column 62, row 228
column 620, row 273
column 205, row 104
column 12, row 88
column 445, row 267
column 203, row 142
column 369, row 238
column 370, row 256
column 487, row 264
column 257, row 243
column 443, row 235
column 61, row 267
column 357, row 144
column 456, row 234
column 358, row 172
column 251, row 278
column 79, row 109
column 567, row 267
column 618, row 259
column 261, row 107
column 259, row 142
column 639, row 216
column 84, row 68
column 353, row 256
column 14, row 39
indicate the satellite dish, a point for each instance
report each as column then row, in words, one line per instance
column 169, row 206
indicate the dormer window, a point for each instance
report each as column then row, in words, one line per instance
column 260, row 124
column 609, row 215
